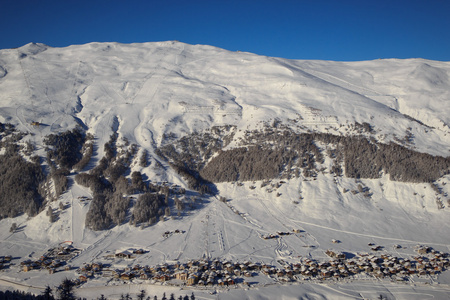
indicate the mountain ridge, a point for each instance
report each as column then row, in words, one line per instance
column 135, row 140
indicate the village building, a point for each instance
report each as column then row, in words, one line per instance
column 124, row 254
column 181, row 275
column 192, row 279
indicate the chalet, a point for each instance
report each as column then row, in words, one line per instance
column 46, row 262
column 124, row 254
column 161, row 277
column 164, row 267
column 423, row 250
column 230, row 281
column 55, row 263
column 108, row 273
column 27, row 268
column 247, row 274
column 330, row 253
column 126, row 276
column 82, row 278
column 181, row 276
column 192, row 279
column 344, row 273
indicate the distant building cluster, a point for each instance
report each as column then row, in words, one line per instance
column 54, row 258
column 226, row 273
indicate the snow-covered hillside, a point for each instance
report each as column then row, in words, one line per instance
column 170, row 94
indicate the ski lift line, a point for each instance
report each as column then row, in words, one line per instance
column 72, row 92
column 225, row 231
column 72, row 225
column 44, row 84
column 33, row 105
column 23, row 73
column 27, row 82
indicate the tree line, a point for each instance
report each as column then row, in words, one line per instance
column 110, row 188
column 21, row 180
column 279, row 152
column 65, row 291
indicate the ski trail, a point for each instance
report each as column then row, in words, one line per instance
column 43, row 83
column 368, row 235
column 183, row 248
column 146, row 94
column 227, row 245
column 275, row 216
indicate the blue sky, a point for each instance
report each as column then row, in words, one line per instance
column 343, row 30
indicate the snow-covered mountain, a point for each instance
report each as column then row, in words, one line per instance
column 273, row 138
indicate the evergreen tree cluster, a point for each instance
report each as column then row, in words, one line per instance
column 19, row 295
column 148, row 208
column 110, row 203
column 143, row 296
column 65, row 148
column 278, row 152
column 366, row 158
column 60, row 180
column 87, row 152
column 65, row 291
column 20, row 184
column 189, row 154
column 194, row 180
column 109, row 187
column 268, row 154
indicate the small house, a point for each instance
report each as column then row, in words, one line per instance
column 192, row 279
column 27, row 268
column 124, row 254
column 181, row 276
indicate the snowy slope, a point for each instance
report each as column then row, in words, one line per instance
column 148, row 91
